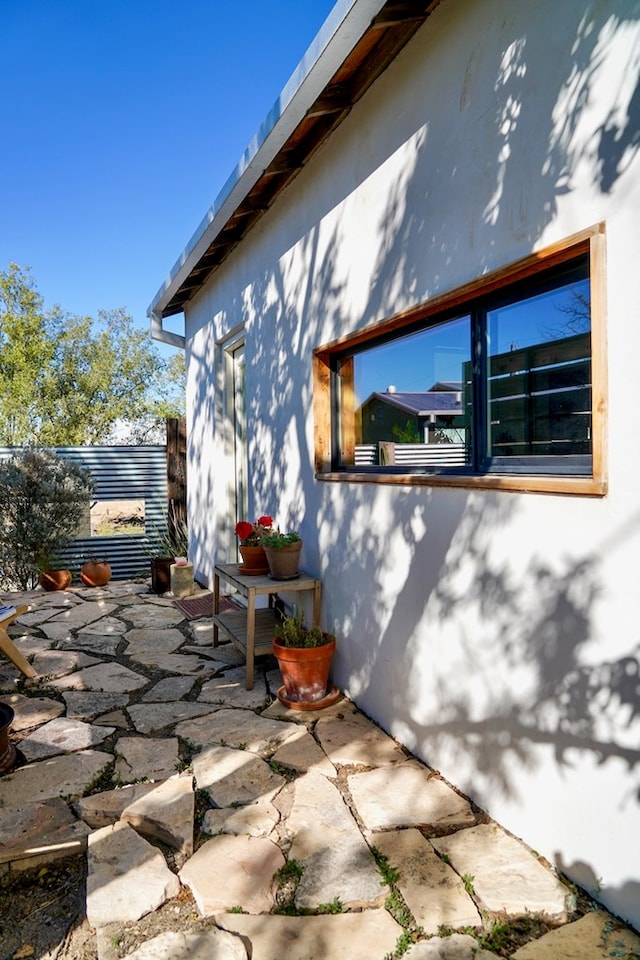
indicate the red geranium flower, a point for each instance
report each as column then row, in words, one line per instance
column 244, row 529
column 265, row 521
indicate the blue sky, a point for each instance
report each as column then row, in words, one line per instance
column 121, row 121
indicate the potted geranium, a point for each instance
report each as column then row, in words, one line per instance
column 251, row 537
column 304, row 657
column 282, row 551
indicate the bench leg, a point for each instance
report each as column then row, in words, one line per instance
column 8, row 647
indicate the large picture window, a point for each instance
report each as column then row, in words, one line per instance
column 492, row 385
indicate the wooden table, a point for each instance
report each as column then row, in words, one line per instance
column 252, row 630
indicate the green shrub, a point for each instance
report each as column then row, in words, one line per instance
column 43, row 500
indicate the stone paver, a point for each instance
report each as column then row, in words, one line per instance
column 235, row 776
column 68, row 775
column 56, row 663
column 237, row 728
column 81, row 614
column 94, row 644
column 174, row 663
column 86, row 705
column 371, row 935
column 152, row 717
column 276, row 780
column 143, row 640
column 138, row 758
column 153, row 615
column 507, row 878
column 434, row 892
column 62, row 735
column 407, row 795
column 102, row 809
column 105, row 678
column 165, row 813
column 326, row 841
column 31, row 711
column 127, row 877
column 255, row 820
column 171, row 688
column 230, row 690
column 25, row 830
column 459, row 946
column 211, row 944
column 593, row 937
column 356, row 740
column 230, row 871
column 301, row 752
column 105, row 627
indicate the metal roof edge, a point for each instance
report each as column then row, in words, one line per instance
column 346, row 23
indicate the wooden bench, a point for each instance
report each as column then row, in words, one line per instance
column 7, row 646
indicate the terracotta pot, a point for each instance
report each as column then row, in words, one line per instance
column 55, row 579
column 305, row 670
column 161, row 574
column 283, row 563
column 7, row 749
column 254, row 561
column 95, row 574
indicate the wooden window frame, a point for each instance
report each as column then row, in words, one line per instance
column 589, row 242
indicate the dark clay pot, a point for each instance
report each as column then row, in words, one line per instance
column 7, row 749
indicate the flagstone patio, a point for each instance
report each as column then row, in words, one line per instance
column 216, row 823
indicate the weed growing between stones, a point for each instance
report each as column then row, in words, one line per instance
column 467, row 879
column 334, row 907
column 287, row 879
column 102, row 781
column 397, row 907
column 505, row 935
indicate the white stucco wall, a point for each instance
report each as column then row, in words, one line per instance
column 496, row 634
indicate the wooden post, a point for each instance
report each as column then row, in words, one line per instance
column 176, row 471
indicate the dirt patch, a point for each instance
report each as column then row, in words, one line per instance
column 42, row 916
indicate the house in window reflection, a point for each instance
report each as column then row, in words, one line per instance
column 425, row 416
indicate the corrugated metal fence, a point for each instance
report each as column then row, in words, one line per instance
column 120, row 473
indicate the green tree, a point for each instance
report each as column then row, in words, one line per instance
column 43, row 498
column 68, row 380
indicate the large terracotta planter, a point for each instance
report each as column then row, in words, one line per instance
column 55, row 579
column 7, row 749
column 254, row 561
column 284, row 562
column 304, row 670
column 95, row 573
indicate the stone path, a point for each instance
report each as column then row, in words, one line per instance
column 294, row 835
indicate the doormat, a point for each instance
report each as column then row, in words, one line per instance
column 202, row 606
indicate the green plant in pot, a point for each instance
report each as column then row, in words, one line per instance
column 282, row 551
column 164, row 546
column 304, row 656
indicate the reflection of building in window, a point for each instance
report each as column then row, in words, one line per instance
column 117, row 518
column 540, row 399
column 426, row 416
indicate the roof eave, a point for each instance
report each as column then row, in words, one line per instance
column 314, row 96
